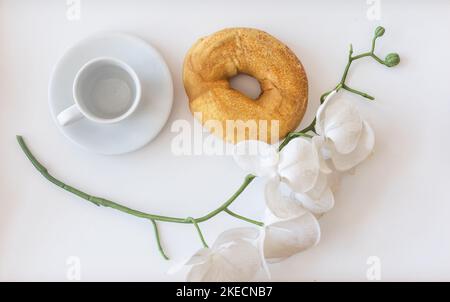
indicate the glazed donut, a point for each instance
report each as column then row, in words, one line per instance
column 213, row 60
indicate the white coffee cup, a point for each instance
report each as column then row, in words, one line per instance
column 105, row 90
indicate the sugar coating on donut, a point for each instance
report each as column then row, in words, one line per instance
column 213, row 60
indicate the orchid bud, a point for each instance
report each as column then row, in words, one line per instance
column 379, row 31
column 392, row 59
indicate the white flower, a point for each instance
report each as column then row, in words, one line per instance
column 297, row 175
column 283, row 238
column 233, row 257
column 343, row 134
column 256, row 157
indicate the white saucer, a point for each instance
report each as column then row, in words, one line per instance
column 148, row 119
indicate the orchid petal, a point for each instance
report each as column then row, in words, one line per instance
column 198, row 271
column 200, row 256
column 344, row 162
column 288, row 237
column 281, row 205
column 339, row 121
column 343, row 125
column 264, row 263
column 321, row 113
column 320, row 145
column 232, row 258
column 299, row 165
column 319, row 187
column 256, row 157
column 322, row 204
column 235, row 235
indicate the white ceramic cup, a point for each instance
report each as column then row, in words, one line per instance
column 105, row 90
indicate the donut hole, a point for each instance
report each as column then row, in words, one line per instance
column 247, row 85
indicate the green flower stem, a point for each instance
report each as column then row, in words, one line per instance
column 293, row 135
column 369, row 54
column 310, row 127
column 363, row 94
column 258, row 223
column 158, row 240
column 110, row 204
column 194, row 222
column 351, row 59
column 248, row 179
column 323, row 96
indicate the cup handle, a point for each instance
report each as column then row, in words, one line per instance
column 69, row 115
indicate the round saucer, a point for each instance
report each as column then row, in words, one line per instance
column 150, row 116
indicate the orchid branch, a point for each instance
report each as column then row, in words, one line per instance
column 98, row 201
column 108, row 203
column 258, row 223
column 293, row 135
column 158, row 240
column 194, row 222
column 391, row 60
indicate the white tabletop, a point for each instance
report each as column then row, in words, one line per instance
column 396, row 207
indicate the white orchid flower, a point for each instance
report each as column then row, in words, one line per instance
column 343, row 134
column 297, row 175
column 234, row 256
column 283, row 238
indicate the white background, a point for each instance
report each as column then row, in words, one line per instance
column 395, row 207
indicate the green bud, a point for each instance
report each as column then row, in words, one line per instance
column 392, row 59
column 379, row 31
